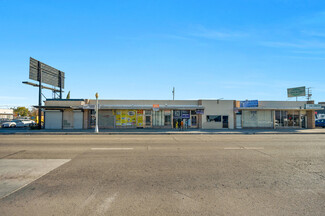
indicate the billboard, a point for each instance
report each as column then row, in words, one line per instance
column 296, row 92
column 50, row 75
column 249, row 103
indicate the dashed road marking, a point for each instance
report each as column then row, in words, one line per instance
column 112, row 149
column 253, row 148
column 243, row 148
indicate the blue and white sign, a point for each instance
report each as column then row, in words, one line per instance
column 249, row 103
column 186, row 116
column 199, row 111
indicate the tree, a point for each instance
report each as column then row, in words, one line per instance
column 33, row 113
column 21, row 111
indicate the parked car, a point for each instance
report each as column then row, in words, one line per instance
column 24, row 123
column 10, row 124
column 320, row 123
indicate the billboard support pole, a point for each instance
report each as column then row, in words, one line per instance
column 39, row 70
column 60, row 83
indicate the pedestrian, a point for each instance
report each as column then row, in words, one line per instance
column 182, row 125
column 176, row 125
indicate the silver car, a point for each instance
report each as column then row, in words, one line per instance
column 8, row 124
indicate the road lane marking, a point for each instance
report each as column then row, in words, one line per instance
column 243, row 148
column 112, row 149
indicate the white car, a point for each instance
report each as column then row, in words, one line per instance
column 8, row 124
column 24, row 123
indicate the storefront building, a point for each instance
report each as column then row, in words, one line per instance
column 168, row 114
column 80, row 114
column 275, row 114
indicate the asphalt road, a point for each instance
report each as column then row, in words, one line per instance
column 169, row 175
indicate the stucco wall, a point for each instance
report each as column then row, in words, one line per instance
column 145, row 102
column 282, row 104
column 63, row 103
column 218, row 107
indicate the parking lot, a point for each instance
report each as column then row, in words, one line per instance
column 162, row 174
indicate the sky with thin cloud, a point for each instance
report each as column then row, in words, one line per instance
column 142, row 49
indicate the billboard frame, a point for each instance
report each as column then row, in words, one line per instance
column 296, row 92
column 46, row 74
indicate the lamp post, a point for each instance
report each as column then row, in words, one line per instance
column 96, row 127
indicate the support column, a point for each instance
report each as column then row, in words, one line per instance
column 273, row 116
column 300, row 126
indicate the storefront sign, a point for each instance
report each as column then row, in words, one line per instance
column 296, row 92
column 187, row 116
column 249, row 103
column 155, row 107
column 199, row 111
column 313, row 106
column 167, row 112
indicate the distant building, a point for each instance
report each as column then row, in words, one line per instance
column 203, row 114
column 6, row 114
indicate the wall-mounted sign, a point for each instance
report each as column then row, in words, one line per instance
column 185, row 115
column 199, row 111
column 296, row 92
column 249, row 103
column 313, row 106
column 155, row 107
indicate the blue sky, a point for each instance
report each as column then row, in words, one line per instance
column 248, row 49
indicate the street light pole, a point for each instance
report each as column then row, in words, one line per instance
column 96, row 127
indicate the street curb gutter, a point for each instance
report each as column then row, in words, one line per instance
column 157, row 133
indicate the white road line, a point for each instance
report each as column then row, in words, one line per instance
column 112, row 149
column 62, row 161
column 242, row 148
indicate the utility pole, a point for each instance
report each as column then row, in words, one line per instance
column 309, row 94
column 173, row 93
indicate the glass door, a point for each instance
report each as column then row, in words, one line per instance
column 194, row 121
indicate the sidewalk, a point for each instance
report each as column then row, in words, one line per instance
column 150, row 131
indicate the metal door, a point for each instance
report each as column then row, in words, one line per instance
column 224, row 121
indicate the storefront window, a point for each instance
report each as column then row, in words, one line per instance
column 158, row 118
column 260, row 118
column 287, row 118
column 213, row 118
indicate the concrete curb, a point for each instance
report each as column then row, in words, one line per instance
column 160, row 133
